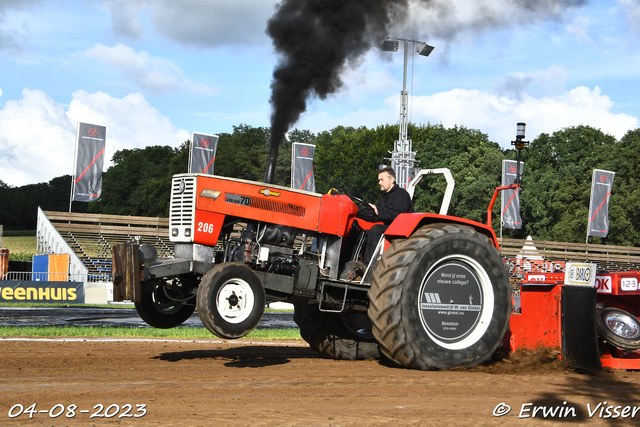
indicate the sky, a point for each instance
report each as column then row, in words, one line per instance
column 153, row 71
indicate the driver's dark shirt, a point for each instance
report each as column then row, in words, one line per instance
column 393, row 203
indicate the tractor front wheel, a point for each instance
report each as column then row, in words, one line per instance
column 231, row 300
column 440, row 299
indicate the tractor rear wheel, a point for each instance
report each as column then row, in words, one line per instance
column 159, row 311
column 231, row 300
column 440, row 299
column 343, row 336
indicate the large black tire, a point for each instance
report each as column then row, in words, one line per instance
column 161, row 312
column 440, row 299
column 618, row 328
column 231, row 300
column 335, row 335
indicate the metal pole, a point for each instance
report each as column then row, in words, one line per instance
column 402, row 154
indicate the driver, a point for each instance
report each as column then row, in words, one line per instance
column 395, row 201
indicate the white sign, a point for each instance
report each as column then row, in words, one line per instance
column 629, row 284
column 604, row 285
column 580, row 274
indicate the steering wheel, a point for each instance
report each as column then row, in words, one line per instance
column 362, row 204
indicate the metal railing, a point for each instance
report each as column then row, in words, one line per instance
column 54, row 277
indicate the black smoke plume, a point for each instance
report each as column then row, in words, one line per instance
column 316, row 39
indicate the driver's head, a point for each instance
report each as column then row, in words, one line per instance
column 386, row 179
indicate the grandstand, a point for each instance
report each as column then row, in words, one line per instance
column 89, row 238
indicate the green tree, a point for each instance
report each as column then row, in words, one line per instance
column 347, row 159
column 139, row 182
column 557, row 181
column 474, row 161
column 624, row 205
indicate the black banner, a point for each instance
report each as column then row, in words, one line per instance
column 203, row 153
column 302, row 167
column 511, row 197
column 87, row 178
column 601, row 185
column 45, row 292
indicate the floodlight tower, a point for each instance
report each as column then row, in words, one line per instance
column 519, row 143
column 402, row 158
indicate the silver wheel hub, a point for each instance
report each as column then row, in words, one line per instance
column 622, row 325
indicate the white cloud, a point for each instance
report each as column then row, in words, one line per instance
column 449, row 20
column 36, row 140
column 37, row 135
column 13, row 34
column 536, row 98
column 124, row 17
column 152, row 74
column 200, row 23
column 497, row 115
column 579, row 27
column 131, row 121
column 631, row 10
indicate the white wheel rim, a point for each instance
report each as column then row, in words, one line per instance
column 487, row 303
column 235, row 301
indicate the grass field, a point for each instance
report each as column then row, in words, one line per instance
column 21, row 248
column 182, row 333
column 129, row 332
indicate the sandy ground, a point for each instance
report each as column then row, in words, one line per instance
column 216, row 383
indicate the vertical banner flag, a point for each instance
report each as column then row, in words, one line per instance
column 87, row 178
column 511, row 197
column 601, row 185
column 302, row 167
column 203, row 153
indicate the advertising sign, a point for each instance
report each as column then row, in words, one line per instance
column 511, row 197
column 203, row 153
column 580, row 274
column 601, row 186
column 87, row 178
column 45, row 292
column 302, row 167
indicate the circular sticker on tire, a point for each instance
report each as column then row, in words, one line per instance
column 450, row 301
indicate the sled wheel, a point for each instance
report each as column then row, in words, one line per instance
column 344, row 336
column 159, row 311
column 231, row 300
column 440, row 299
column 618, row 328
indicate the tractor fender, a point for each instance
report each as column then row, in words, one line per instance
column 405, row 225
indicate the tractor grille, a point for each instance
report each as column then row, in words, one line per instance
column 285, row 208
column 183, row 201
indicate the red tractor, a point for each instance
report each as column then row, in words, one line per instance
column 435, row 295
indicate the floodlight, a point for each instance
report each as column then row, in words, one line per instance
column 390, row 45
column 424, row 49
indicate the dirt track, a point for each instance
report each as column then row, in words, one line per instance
column 216, row 383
